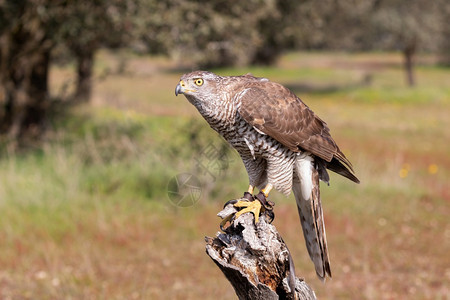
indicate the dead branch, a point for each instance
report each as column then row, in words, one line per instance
column 255, row 259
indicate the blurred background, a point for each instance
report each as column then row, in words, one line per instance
column 109, row 183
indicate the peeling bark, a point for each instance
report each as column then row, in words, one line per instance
column 255, row 259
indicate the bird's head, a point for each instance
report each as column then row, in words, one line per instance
column 198, row 86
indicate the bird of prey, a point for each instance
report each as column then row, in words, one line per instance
column 282, row 142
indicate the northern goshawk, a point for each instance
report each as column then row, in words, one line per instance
column 283, row 144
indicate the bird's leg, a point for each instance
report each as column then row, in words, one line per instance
column 248, row 206
column 262, row 197
column 267, row 204
column 239, row 203
column 249, row 194
column 257, row 206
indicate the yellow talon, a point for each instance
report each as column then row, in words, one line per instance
column 252, row 206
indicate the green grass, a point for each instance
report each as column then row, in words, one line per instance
column 85, row 213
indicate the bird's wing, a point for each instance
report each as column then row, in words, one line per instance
column 276, row 111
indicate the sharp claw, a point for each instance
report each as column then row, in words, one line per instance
column 271, row 215
column 266, row 208
column 248, row 206
column 233, row 201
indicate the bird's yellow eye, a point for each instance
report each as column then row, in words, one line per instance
column 198, row 81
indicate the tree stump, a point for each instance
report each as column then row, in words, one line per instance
column 255, row 259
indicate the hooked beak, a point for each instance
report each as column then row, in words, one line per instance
column 180, row 88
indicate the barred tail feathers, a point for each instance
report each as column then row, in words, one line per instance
column 307, row 195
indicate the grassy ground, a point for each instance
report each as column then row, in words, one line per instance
column 85, row 215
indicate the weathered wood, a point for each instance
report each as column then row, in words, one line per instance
column 255, row 259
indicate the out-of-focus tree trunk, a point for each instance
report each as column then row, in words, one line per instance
column 85, row 61
column 444, row 49
column 408, row 54
column 266, row 55
column 24, row 66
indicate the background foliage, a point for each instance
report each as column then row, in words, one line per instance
column 34, row 33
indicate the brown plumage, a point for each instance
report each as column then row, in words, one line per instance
column 282, row 143
column 282, row 115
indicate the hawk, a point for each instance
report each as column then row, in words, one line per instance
column 282, row 142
